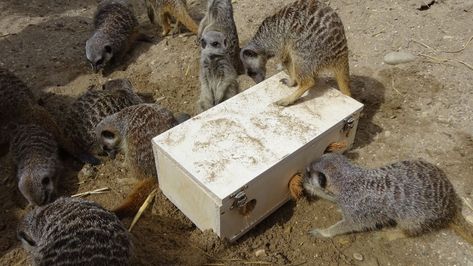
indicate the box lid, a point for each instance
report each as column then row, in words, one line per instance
column 234, row 142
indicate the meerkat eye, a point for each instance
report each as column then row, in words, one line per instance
column 322, row 179
column 203, row 43
column 215, row 44
column 108, row 135
column 45, row 181
column 23, row 236
column 251, row 73
column 108, row 49
column 249, row 53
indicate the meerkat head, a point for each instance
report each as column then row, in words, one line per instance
column 38, row 185
column 254, row 62
column 109, row 136
column 214, row 40
column 323, row 171
column 98, row 50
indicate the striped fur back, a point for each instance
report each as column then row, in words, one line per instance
column 73, row 231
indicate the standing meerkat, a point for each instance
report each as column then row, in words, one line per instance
column 219, row 18
column 164, row 9
column 19, row 105
column 93, row 106
column 307, row 36
column 218, row 77
column 131, row 131
column 74, row 231
column 415, row 195
column 35, row 153
column 115, row 30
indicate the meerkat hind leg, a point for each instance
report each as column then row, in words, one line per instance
column 340, row 228
column 304, row 85
column 342, row 75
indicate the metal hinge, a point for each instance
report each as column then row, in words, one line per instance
column 349, row 122
column 239, row 198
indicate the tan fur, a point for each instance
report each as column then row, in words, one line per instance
column 164, row 9
column 308, row 37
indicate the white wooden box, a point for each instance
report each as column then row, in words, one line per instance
column 243, row 152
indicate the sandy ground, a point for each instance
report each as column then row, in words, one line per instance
column 420, row 109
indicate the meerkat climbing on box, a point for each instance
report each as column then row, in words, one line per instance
column 308, row 37
column 164, row 9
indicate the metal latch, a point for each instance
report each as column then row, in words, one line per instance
column 239, row 199
column 349, row 122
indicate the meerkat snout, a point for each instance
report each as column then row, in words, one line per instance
column 109, row 142
column 38, row 189
column 254, row 64
column 98, row 53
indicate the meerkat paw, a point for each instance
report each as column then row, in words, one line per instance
column 288, row 82
column 319, row 233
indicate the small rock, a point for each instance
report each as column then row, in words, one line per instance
column 395, row 58
column 357, row 256
column 387, row 134
column 260, row 252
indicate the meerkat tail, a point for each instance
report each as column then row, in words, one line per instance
column 182, row 15
column 462, row 228
column 130, row 206
column 295, row 186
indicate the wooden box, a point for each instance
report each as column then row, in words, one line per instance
column 229, row 167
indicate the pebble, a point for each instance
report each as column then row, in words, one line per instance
column 357, row 256
column 395, row 58
column 260, row 252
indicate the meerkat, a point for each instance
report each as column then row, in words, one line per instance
column 415, row 195
column 35, row 153
column 19, row 105
column 115, row 30
column 131, row 131
column 74, row 231
column 93, row 106
column 219, row 18
column 218, row 77
column 307, row 36
column 164, row 9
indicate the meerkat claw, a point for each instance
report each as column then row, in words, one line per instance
column 319, row 233
column 288, row 82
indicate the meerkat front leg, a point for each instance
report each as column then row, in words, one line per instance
column 164, row 22
column 291, row 71
column 324, row 195
column 340, row 228
column 304, row 85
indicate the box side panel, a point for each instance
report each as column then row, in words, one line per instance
column 188, row 196
column 270, row 189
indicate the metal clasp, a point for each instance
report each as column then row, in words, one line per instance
column 239, row 199
column 349, row 122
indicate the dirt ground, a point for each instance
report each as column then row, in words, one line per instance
column 419, row 109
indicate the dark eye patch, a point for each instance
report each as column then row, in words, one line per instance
column 322, row 179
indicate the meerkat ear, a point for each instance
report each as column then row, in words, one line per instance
column 26, row 239
column 203, row 43
column 225, row 43
column 108, row 49
column 106, row 134
column 247, row 52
